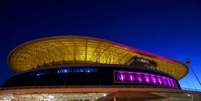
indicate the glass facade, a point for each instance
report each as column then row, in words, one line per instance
column 144, row 78
column 93, row 75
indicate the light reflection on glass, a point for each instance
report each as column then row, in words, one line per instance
column 131, row 77
column 139, row 78
column 159, row 80
column 122, row 77
column 153, row 79
column 147, row 78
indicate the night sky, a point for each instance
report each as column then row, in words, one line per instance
column 171, row 28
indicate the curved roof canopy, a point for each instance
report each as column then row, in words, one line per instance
column 68, row 50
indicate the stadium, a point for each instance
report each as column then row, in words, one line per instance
column 81, row 68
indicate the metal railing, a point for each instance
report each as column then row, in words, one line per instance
column 192, row 90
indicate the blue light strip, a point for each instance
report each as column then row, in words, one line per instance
column 76, row 70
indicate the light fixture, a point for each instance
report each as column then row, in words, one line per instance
column 50, row 97
column 188, row 94
column 104, row 94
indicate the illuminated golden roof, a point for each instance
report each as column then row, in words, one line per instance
column 68, row 50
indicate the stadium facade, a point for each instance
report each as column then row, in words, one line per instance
column 80, row 68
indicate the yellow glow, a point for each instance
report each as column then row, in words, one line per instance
column 68, row 50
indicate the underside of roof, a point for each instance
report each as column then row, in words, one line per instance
column 68, row 50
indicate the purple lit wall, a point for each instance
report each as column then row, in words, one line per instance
column 145, row 79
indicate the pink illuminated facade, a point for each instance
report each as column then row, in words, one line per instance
column 145, row 79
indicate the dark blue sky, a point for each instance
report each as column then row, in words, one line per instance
column 170, row 28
